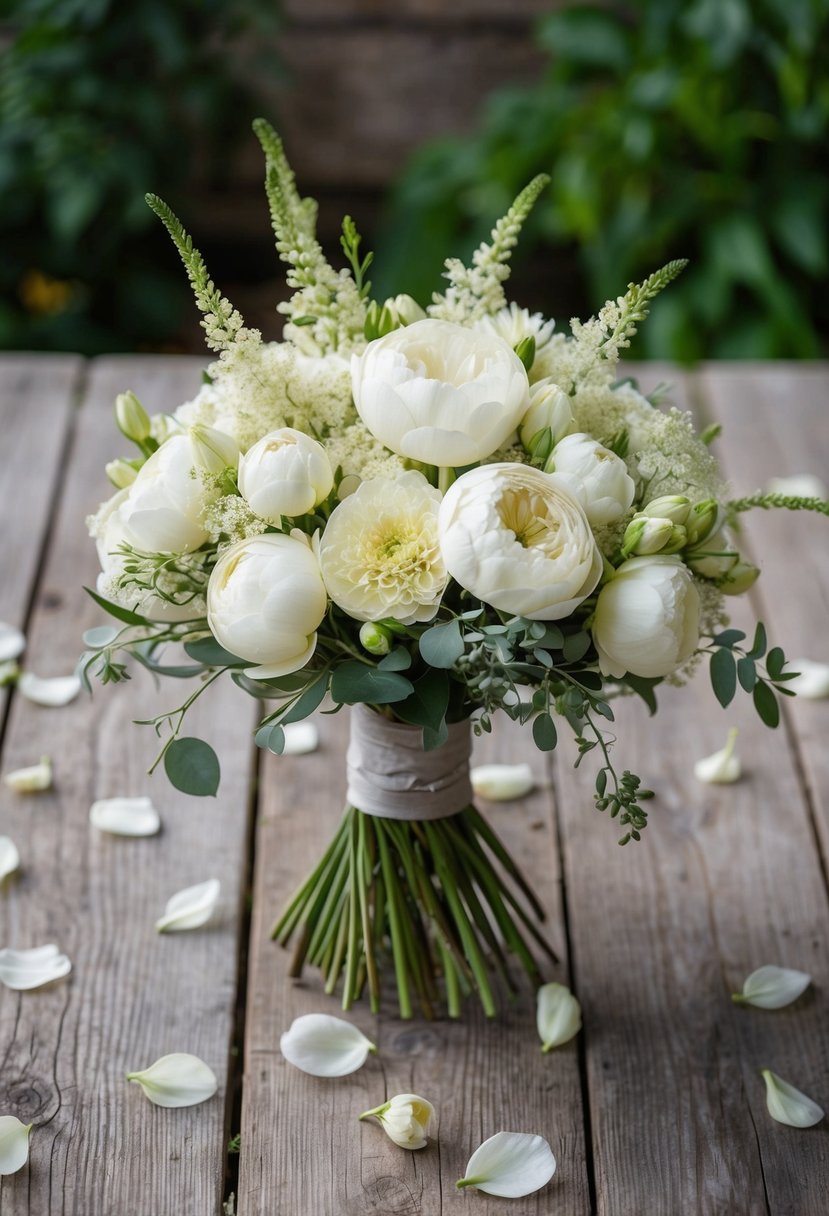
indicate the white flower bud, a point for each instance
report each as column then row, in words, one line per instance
column 285, row 473
column 645, row 535
column 404, row 309
column 647, row 618
column 703, row 518
column 121, row 473
column 405, row 1119
column 547, row 421
column 675, row 507
column 739, row 579
column 600, row 474
column 714, row 557
column 213, row 450
column 375, row 638
column 163, row 508
column 133, row 420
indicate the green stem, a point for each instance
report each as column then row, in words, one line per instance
column 398, row 949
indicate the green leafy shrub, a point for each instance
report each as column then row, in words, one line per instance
column 670, row 129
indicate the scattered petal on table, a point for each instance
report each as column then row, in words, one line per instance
column 405, row 1119
column 177, row 1080
column 722, row 767
column 300, row 738
column 31, row 780
column 510, row 1164
column 125, row 816
column 53, row 692
column 190, row 908
column 14, row 1144
column 12, row 642
column 325, row 1046
column 502, row 782
column 799, row 485
column 558, row 1015
column 812, row 680
column 772, row 987
column 787, row 1104
column 25, row 969
column 9, row 857
column 9, row 672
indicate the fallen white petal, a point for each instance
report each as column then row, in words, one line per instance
column 787, row 1104
column 14, row 1144
column 812, row 680
column 52, row 692
column 325, row 1046
column 9, row 857
column 510, row 1164
column 300, row 738
column 558, row 1015
column 30, row 780
column 9, row 672
column 772, row 987
column 502, row 782
column 721, row 768
column 12, row 642
column 25, row 969
column 190, row 908
column 177, row 1080
column 125, row 816
column 799, row 485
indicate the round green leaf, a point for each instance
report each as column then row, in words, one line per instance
column 193, row 767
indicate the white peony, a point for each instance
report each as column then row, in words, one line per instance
column 379, row 553
column 440, row 393
column 265, row 600
column 519, row 540
column 285, row 473
column 164, row 508
column 601, row 475
column 647, row 618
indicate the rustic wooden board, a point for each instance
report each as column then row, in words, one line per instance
column 98, row 1147
column 302, row 1147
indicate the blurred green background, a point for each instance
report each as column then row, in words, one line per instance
column 670, row 128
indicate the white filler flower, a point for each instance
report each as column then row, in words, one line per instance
column 519, row 539
column 380, row 555
column 772, row 987
column 558, row 1016
column 787, row 1104
column 176, row 1080
column 600, row 474
column 647, row 618
column 265, row 600
column 163, row 509
column 285, row 473
column 510, row 1164
column 325, row 1046
column 440, row 393
column 405, row 1119
column 14, row 1144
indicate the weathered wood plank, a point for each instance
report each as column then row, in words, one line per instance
column 98, row 1147
column 725, row 879
column 302, row 1147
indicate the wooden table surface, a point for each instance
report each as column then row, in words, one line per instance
column 657, row 1110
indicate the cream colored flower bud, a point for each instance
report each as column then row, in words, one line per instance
column 404, row 309
column 405, row 1119
column 645, row 535
column 601, row 476
column 285, row 473
column 213, row 450
column 374, row 638
column 702, row 520
column 547, row 421
column 133, row 420
column 121, row 473
column 675, row 507
column 740, row 578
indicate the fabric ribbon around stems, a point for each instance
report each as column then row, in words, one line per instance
column 392, row 777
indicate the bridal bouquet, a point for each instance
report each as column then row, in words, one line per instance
column 430, row 517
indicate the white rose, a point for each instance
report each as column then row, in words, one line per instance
column 285, row 473
column 601, row 475
column 165, row 504
column 647, row 618
column 265, row 600
column 439, row 392
column 547, row 421
column 380, row 555
column 519, row 540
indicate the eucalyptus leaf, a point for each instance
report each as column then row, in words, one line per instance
column 193, row 767
column 544, row 733
column 353, row 683
column 765, row 702
column 211, row 654
column 442, row 645
column 723, row 671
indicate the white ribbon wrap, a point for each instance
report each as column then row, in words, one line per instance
column 391, row 776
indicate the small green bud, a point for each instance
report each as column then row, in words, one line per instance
column 702, row 520
column 526, row 351
column 739, row 579
column 675, row 507
column 122, row 473
column 133, row 420
column 213, row 450
column 374, row 638
column 645, row 536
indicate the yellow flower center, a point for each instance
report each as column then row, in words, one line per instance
column 527, row 515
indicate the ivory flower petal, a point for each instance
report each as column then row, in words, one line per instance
column 787, row 1104
column 300, row 738
column 14, row 1144
column 12, row 642
column 125, row 816
column 772, row 987
column 178, row 1079
column 405, row 1119
column 502, row 782
column 510, row 1164
column 812, row 682
column 32, row 779
column 722, row 767
column 26, row 969
column 190, row 908
column 53, row 692
column 801, row 485
column 9, row 857
column 325, row 1046
column 558, row 1015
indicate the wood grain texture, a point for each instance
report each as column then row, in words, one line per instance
column 99, row 1148
column 303, row 1150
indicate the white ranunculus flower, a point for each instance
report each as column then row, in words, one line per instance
column 285, row 473
column 163, row 508
column 647, row 618
column 265, row 600
column 519, row 540
column 548, row 420
column 440, row 393
column 601, row 475
column 380, row 555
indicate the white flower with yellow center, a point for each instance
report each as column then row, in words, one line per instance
column 379, row 553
